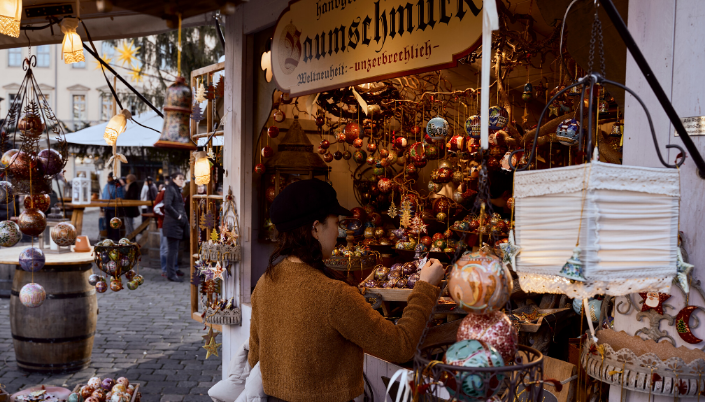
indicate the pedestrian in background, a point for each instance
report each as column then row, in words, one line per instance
column 149, row 193
column 132, row 192
column 112, row 191
column 175, row 226
column 159, row 212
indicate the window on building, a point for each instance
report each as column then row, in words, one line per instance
column 14, row 58
column 80, row 64
column 43, row 55
column 79, row 109
column 106, row 106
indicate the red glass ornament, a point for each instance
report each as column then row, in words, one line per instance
column 337, row 155
column 341, row 137
column 267, row 152
column 400, row 142
column 270, row 194
column 383, row 153
column 321, row 150
column 259, row 168
column 426, row 241
column 328, row 157
column 32, row 222
column 352, row 132
column 273, row 132
column 441, row 205
column 359, row 213
column 320, row 121
column 278, row 116
column 325, row 144
column 415, row 130
column 384, row 185
column 357, row 143
column 371, row 147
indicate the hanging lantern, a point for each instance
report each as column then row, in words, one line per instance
column 72, row 46
column 10, row 17
column 202, row 168
column 177, row 110
column 115, row 127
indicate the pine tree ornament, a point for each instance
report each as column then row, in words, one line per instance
column 196, row 114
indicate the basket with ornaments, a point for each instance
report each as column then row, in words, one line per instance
column 116, row 260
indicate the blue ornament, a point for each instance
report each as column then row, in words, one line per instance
column 437, row 128
column 498, row 118
column 568, row 132
column 475, row 353
column 472, row 126
column 573, row 268
column 32, row 259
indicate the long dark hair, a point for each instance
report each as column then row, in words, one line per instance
column 298, row 243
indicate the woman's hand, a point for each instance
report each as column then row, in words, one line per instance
column 432, row 272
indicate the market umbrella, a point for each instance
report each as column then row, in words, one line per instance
column 133, row 136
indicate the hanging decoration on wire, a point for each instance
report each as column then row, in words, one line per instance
column 115, row 127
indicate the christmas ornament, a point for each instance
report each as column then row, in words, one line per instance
column 573, row 268
column 211, row 348
column 568, row 132
column 684, row 269
column 510, row 251
column 357, row 143
column 359, row 156
column 273, row 132
column 324, row 144
column 381, row 274
column 653, row 301
column 115, row 223
column 495, row 329
column 63, row 234
column 401, row 142
column 32, row 259
column 32, row 222
column 116, row 283
column 352, row 132
column 475, row 353
column 50, row 162
column 528, row 92
column 259, row 168
column 479, row 283
column 347, row 155
column 683, row 325
column 337, row 155
column 38, row 201
column 267, row 152
column 101, row 286
column 472, row 126
column 594, row 305
column 32, row 295
column 371, row 147
column 437, row 128
column 498, row 118
column 278, row 116
column 10, row 234
column 328, row 157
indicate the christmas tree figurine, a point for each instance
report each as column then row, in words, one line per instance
column 220, row 87
column 405, row 219
column 201, row 93
column 214, row 235
column 196, row 113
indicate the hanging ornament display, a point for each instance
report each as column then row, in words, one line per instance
column 116, row 260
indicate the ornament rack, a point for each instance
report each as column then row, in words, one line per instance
column 204, row 77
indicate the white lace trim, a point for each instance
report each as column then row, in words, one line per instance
column 601, row 176
column 638, row 370
column 536, row 283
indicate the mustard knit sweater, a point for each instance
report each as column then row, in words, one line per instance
column 308, row 333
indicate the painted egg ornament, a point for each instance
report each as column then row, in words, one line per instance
column 456, row 143
column 116, row 284
column 260, row 169
column 101, row 287
column 384, row 185
column 87, row 390
column 475, row 353
column 328, row 157
column 401, row 142
column 6, row 191
column 498, row 118
column 32, row 295
column 32, row 259
column 107, row 384
column 32, row 222
column 381, row 274
column 63, row 234
column 132, row 285
column 431, row 152
column 75, row 397
column 568, row 132
column 111, row 268
column 480, row 283
column 94, row 383
column 99, row 394
column 437, row 128
column 50, row 162
column 392, row 157
column 139, row 279
column 21, row 165
column 360, row 156
column 124, row 381
column 115, row 223
column 434, row 187
column 10, row 233
column 357, row 143
column 371, row 147
column 494, row 328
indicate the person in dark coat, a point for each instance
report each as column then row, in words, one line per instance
column 132, row 192
column 175, row 226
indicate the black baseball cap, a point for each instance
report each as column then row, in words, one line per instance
column 301, row 202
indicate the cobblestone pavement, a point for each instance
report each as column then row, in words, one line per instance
column 146, row 335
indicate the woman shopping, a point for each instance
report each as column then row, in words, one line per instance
column 309, row 332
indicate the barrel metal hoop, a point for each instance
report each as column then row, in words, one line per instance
column 59, row 296
column 67, row 365
column 53, row 340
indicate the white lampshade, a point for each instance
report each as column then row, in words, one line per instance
column 202, row 168
column 72, row 46
column 116, row 126
column 10, row 17
column 628, row 235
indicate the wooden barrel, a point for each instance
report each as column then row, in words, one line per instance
column 58, row 335
column 6, row 271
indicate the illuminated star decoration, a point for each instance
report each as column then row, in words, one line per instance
column 510, row 251
column 136, row 75
column 128, row 53
column 105, row 58
column 684, row 269
column 211, row 348
column 653, row 301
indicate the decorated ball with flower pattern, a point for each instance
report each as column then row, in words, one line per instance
column 437, row 127
column 480, row 283
column 32, row 222
column 32, row 295
column 115, row 223
column 10, row 233
column 475, row 353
